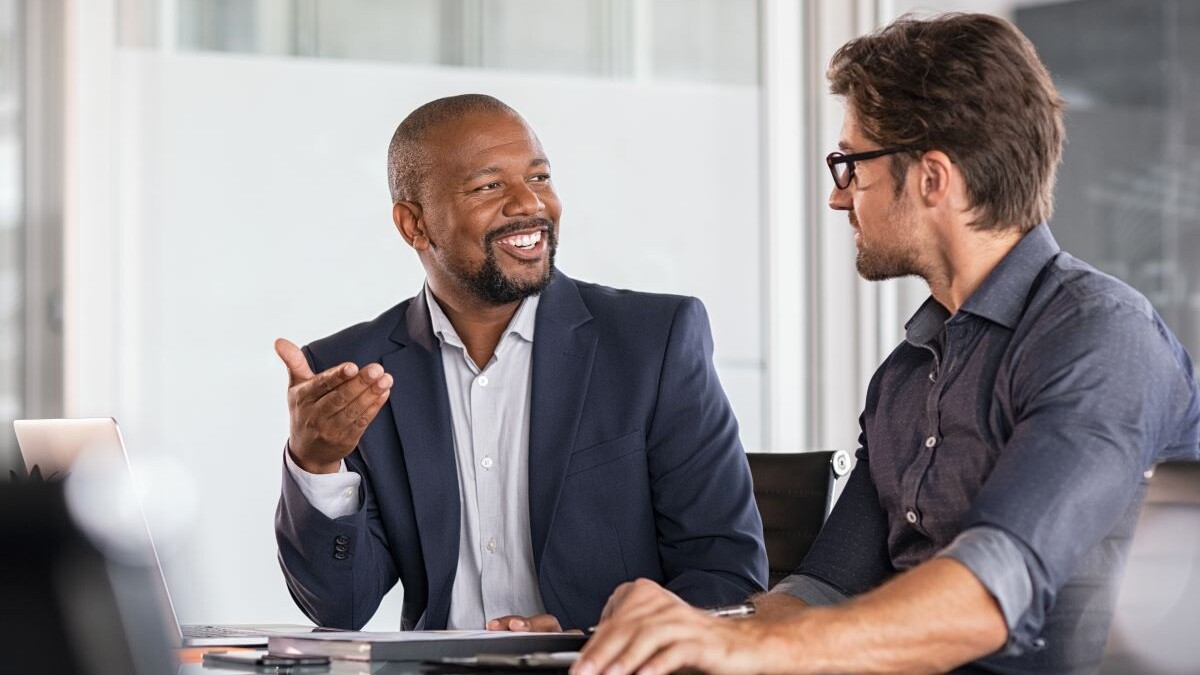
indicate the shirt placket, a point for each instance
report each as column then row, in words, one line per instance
column 955, row 337
column 485, row 401
column 930, row 438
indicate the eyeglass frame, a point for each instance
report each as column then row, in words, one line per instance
column 834, row 158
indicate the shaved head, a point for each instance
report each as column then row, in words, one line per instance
column 408, row 157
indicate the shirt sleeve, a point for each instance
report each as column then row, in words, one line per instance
column 333, row 494
column 1002, row 566
column 850, row 553
column 811, row 590
column 1097, row 394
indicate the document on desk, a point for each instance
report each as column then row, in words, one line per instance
column 420, row 645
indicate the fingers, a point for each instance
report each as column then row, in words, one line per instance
column 511, row 622
column 545, row 623
column 329, row 380
column 293, row 358
column 354, row 395
column 639, row 598
column 671, row 659
column 622, row 647
column 541, row 623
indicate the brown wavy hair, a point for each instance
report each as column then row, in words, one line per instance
column 972, row 86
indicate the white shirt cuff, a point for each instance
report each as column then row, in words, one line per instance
column 334, row 494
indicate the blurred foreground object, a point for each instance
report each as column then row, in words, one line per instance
column 1154, row 631
column 66, row 608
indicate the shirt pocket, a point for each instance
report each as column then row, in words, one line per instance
column 604, row 452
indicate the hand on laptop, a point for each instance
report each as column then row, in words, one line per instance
column 539, row 623
column 329, row 411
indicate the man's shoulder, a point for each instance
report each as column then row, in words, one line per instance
column 623, row 305
column 361, row 343
column 1078, row 288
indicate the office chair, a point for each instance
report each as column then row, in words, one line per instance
column 1157, row 616
column 794, row 492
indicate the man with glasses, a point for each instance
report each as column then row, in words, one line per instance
column 1003, row 442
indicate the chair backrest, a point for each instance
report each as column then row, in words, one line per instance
column 1157, row 614
column 794, row 492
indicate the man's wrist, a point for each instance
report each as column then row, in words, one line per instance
column 788, row 643
column 313, row 467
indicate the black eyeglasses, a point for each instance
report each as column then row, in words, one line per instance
column 841, row 166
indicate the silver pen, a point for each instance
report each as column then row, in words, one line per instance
column 727, row 611
column 732, row 611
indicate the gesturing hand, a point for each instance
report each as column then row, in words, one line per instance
column 329, row 411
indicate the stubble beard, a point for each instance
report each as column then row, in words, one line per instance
column 895, row 259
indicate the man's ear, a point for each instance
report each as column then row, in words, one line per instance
column 936, row 173
column 409, row 223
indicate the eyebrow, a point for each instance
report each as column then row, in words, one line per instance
column 491, row 170
column 844, row 147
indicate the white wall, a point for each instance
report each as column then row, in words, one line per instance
column 247, row 200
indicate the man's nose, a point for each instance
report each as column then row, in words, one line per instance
column 840, row 199
column 523, row 201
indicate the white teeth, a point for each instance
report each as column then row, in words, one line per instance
column 525, row 241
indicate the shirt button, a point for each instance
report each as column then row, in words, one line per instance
column 911, row 516
column 491, row 545
column 486, row 463
column 481, row 380
column 348, row 493
column 931, row 441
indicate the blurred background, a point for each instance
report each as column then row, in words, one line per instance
column 182, row 181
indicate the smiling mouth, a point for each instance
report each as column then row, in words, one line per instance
column 524, row 242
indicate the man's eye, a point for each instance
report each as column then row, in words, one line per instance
column 540, row 178
column 489, row 187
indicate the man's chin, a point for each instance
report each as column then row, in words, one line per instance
column 873, row 269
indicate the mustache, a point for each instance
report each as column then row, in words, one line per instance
column 544, row 224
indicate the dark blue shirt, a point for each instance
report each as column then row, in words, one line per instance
column 1033, row 412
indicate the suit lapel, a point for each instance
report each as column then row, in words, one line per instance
column 421, row 409
column 564, row 344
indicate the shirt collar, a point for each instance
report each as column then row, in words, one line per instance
column 1001, row 297
column 521, row 325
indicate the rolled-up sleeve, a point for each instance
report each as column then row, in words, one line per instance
column 1002, row 565
column 1096, row 397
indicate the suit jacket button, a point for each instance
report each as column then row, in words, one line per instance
column 341, row 548
column 340, row 555
column 341, row 539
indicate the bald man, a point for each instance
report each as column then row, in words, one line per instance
column 509, row 444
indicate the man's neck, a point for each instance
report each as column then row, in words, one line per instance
column 480, row 326
column 963, row 258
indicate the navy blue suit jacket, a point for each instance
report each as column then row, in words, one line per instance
column 635, row 467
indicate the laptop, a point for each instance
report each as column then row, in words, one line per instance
column 53, row 446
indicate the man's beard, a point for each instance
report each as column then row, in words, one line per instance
column 880, row 263
column 874, row 265
column 488, row 282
